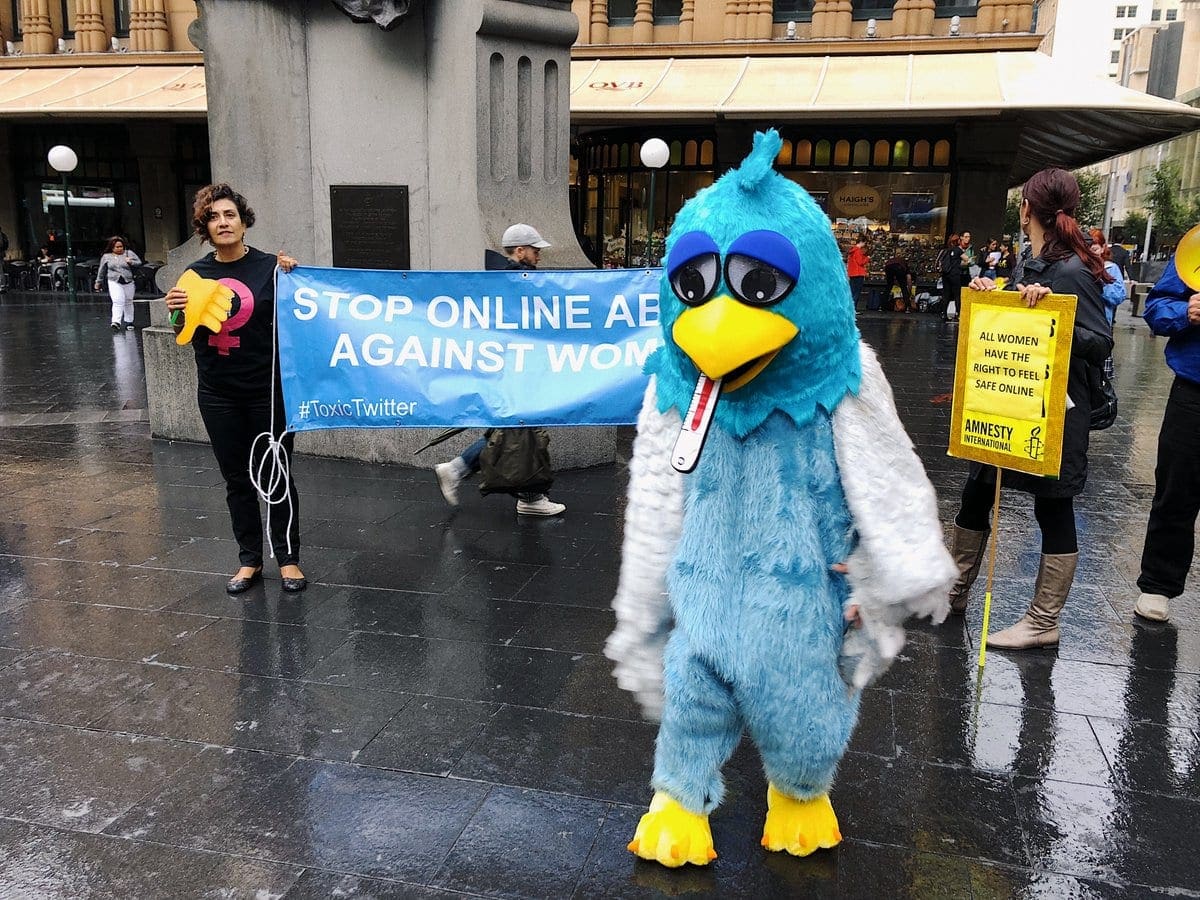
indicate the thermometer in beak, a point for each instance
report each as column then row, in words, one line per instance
column 695, row 424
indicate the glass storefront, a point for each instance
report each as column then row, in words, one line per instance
column 104, row 191
column 894, row 189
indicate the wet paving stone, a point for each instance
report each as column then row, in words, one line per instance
column 77, row 779
column 523, row 843
column 36, row 861
column 582, row 755
column 435, row 718
column 70, row 690
column 304, row 812
column 257, row 713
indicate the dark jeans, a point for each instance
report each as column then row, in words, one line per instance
column 1055, row 515
column 856, row 286
column 1170, row 532
column 232, row 425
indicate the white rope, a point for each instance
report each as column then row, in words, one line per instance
column 274, row 468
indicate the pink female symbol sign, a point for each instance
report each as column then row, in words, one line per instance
column 225, row 340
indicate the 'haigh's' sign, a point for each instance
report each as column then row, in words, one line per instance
column 855, row 199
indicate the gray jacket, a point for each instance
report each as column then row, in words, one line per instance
column 118, row 268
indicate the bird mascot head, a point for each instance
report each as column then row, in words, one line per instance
column 755, row 293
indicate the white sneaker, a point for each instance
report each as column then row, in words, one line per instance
column 450, row 475
column 1152, row 607
column 542, row 506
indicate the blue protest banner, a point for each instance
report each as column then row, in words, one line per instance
column 374, row 349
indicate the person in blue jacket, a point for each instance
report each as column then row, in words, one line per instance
column 1173, row 311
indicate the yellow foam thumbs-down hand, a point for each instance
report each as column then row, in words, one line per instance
column 1187, row 258
column 208, row 304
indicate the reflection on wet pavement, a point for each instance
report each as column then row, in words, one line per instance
column 433, row 717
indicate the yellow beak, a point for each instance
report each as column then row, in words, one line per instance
column 725, row 336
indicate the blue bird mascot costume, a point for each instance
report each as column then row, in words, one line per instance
column 773, row 497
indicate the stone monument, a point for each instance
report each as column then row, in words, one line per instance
column 454, row 114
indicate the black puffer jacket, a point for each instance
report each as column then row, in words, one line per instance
column 1091, row 344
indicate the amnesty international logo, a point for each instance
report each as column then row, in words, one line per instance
column 1035, row 446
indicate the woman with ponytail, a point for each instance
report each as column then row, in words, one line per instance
column 1061, row 262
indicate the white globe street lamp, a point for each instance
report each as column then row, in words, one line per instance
column 655, row 153
column 64, row 160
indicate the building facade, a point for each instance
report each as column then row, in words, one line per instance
column 120, row 82
column 1161, row 59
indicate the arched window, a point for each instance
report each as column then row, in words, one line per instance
column 624, row 161
column 921, row 153
column 804, row 153
column 676, row 153
column 823, row 149
column 620, row 12
column 900, row 153
column 690, row 153
column 841, row 153
column 883, row 151
column 706, row 153
column 862, row 153
column 785, row 154
column 941, row 153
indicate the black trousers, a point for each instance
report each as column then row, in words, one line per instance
column 232, row 425
column 1055, row 515
column 1170, row 532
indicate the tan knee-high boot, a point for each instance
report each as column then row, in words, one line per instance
column 966, row 547
column 1039, row 626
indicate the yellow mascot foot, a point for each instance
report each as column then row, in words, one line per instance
column 799, row 826
column 671, row 835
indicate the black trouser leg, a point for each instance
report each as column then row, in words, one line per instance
column 1170, row 531
column 230, row 427
column 1055, row 515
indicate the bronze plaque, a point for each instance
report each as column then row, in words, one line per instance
column 370, row 226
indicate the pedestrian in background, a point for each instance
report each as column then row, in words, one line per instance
column 1061, row 263
column 235, row 389
column 949, row 263
column 523, row 247
column 116, row 270
column 1173, row 311
column 856, row 268
column 897, row 272
column 1120, row 256
column 968, row 258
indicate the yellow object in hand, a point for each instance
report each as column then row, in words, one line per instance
column 671, row 835
column 1187, row 258
column 208, row 303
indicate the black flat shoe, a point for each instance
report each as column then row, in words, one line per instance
column 241, row 585
column 295, row 585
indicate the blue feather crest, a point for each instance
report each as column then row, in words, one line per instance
column 760, row 163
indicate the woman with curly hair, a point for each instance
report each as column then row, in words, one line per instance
column 235, row 366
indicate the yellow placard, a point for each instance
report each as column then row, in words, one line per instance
column 1010, row 380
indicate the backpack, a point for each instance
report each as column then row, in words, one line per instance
column 515, row 461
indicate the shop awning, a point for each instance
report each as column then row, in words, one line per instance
column 172, row 92
column 1065, row 119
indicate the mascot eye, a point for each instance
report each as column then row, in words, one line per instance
column 755, row 282
column 696, row 280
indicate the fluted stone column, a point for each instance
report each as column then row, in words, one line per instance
column 764, row 20
column 35, row 26
column 748, row 20
column 148, row 26
column 91, row 36
column 687, row 21
column 599, row 22
column 999, row 16
column 820, row 18
column 913, row 18
column 643, row 22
